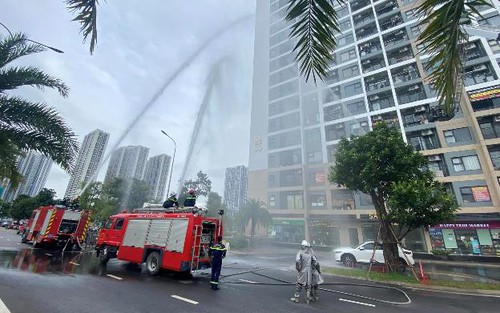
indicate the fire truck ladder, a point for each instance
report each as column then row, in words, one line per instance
column 195, row 250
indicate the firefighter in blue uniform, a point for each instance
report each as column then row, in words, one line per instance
column 190, row 199
column 217, row 252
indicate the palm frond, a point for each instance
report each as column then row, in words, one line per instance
column 8, row 162
column 16, row 46
column 86, row 11
column 31, row 126
column 12, row 78
column 444, row 37
column 315, row 25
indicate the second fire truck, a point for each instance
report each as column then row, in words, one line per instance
column 56, row 226
column 176, row 240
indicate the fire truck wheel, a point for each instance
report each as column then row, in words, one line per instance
column 104, row 255
column 153, row 263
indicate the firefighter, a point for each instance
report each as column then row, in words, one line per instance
column 317, row 278
column 303, row 263
column 191, row 198
column 171, row 201
column 216, row 252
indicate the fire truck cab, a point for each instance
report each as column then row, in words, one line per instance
column 56, row 226
column 176, row 240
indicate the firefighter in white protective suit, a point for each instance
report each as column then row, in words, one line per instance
column 308, row 273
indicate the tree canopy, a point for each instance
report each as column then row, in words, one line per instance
column 23, row 205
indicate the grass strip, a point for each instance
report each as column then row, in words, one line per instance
column 409, row 279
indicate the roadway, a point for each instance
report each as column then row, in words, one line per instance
column 34, row 280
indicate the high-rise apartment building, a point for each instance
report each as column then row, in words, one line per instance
column 89, row 157
column 377, row 73
column 34, row 168
column 128, row 163
column 156, row 176
column 235, row 188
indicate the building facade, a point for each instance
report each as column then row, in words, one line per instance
column 34, row 168
column 377, row 73
column 235, row 188
column 156, row 176
column 128, row 163
column 89, row 157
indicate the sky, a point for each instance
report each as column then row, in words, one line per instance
column 140, row 47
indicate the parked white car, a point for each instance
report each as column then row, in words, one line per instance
column 363, row 254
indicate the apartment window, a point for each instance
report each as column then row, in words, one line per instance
column 494, row 152
column 283, row 75
column 494, row 45
column 352, row 89
column 317, row 200
column 272, row 201
column 466, row 163
column 350, row 71
column 457, row 135
column 415, row 31
column 490, row 126
column 284, row 90
column 344, row 25
column 345, row 40
column 287, row 46
column 333, row 112
column 316, row 177
column 283, row 140
column 411, row 13
column 290, row 178
column 281, row 62
column 285, row 158
column 475, row 194
column 284, row 105
column 478, row 74
column 335, row 132
column 355, row 107
column 295, row 201
column 284, row 122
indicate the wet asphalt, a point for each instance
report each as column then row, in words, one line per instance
column 35, row 280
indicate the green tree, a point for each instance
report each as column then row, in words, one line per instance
column 214, row 204
column 23, row 205
column 202, row 186
column 373, row 164
column 254, row 212
column 419, row 203
column 135, row 193
column 25, row 125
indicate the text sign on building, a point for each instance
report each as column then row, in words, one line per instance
column 467, row 225
column 485, row 93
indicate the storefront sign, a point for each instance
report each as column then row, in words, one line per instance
column 288, row 222
column 470, row 225
column 320, row 178
column 485, row 93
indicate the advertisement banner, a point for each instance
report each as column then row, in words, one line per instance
column 481, row 194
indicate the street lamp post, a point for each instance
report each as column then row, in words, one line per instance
column 33, row 41
column 172, row 164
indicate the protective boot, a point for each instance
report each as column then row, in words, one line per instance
column 315, row 296
column 308, row 296
column 295, row 298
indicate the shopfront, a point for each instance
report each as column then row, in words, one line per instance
column 324, row 233
column 467, row 238
column 287, row 230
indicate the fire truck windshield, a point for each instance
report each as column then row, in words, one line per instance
column 108, row 223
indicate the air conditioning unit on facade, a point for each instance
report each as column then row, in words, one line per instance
column 497, row 118
column 434, row 158
column 480, row 67
column 420, row 109
column 377, row 118
column 428, row 132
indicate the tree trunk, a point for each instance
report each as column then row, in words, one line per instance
column 252, row 232
column 389, row 246
column 389, row 242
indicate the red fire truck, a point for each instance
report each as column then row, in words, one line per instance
column 56, row 226
column 176, row 240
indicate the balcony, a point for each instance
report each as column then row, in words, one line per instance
column 399, row 55
column 494, row 152
column 380, row 101
column 490, row 126
column 396, row 37
column 366, row 31
column 474, row 50
column 376, row 82
column 363, row 17
column 386, row 7
column 373, row 63
column 359, row 4
column 369, row 47
column 479, row 74
column 405, row 74
column 411, row 93
column 390, row 119
column 415, row 116
column 391, row 21
column 423, row 140
column 437, row 165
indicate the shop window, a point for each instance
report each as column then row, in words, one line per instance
column 475, row 194
column 317, row 201
column 272, row 201
column 466, row 163
column 294, row 201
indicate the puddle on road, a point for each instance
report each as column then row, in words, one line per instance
column 50, row 262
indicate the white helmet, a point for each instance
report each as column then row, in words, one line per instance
column 305, row 243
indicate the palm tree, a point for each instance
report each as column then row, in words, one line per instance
column 254, row 212
column 25, row 125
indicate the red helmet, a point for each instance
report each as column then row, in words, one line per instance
column 191, row 191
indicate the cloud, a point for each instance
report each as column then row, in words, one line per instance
column 139, row 47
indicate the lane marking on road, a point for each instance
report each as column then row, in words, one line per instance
column 3, row 307
column 357, row 302
column 48, row 254
column 18, row 243
column 247, row 281
column 73, row 263
column 184, row 299
column 113, row 276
